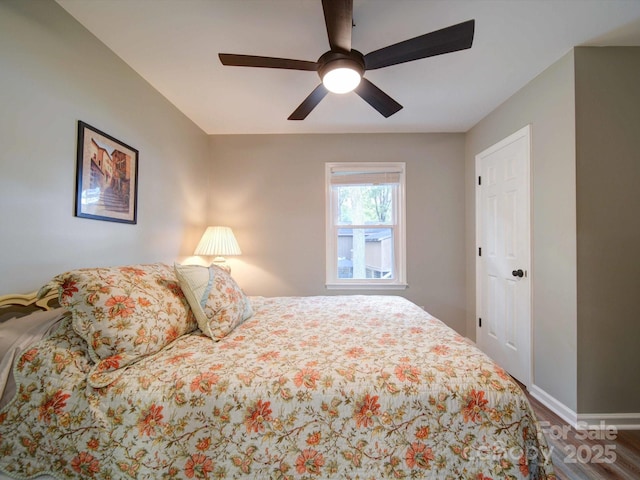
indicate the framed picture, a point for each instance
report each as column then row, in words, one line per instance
column 106, row 177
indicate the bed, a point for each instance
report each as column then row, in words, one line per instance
column 158, row 371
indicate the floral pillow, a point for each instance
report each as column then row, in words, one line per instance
column 217, row 301
column 124, row 313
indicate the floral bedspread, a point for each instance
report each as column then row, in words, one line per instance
column 343, row 387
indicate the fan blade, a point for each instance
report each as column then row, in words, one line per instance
column 375, row 97
column 450, row 39
column 309, row 103
column 266, row 62
column 338, row 16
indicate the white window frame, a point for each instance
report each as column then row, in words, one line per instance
column 398, row 228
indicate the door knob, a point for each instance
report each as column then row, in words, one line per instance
column 518, row 273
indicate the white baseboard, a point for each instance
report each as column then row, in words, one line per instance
column 554, row 405
column 586, row 421
column 619, row 421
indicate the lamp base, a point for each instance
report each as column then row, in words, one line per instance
column 222, row 263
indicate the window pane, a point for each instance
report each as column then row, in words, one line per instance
column 365, row 253
column 364, row 204
column 365, row 225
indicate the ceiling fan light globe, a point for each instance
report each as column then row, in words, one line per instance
column 341, row 80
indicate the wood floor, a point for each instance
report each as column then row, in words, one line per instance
column 577, row 455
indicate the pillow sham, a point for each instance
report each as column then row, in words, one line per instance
column 217, row 301
column 124, row 313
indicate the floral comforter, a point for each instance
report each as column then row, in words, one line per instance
column 341, row 387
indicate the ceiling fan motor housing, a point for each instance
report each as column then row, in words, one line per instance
column 353, row 60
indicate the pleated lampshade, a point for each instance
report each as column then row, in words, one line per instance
column 218, row 242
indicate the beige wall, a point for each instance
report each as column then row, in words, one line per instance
column 270, row 189
column 586, row 226
column 52, row 74
column 608, row 205
column 547, row 103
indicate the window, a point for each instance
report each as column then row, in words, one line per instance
column 365, row 225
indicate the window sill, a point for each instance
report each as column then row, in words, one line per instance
column 366, row 286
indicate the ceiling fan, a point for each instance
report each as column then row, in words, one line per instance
column 341, row 69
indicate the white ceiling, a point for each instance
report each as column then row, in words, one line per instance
column 174, row 44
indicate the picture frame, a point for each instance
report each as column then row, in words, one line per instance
column 106, row 177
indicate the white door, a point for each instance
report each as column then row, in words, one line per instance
column 503, row 291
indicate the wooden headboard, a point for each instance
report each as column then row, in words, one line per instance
column 16, row 305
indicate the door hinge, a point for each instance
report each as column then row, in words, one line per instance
column 479, row 180
column 479, row 251
column 480, row 322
